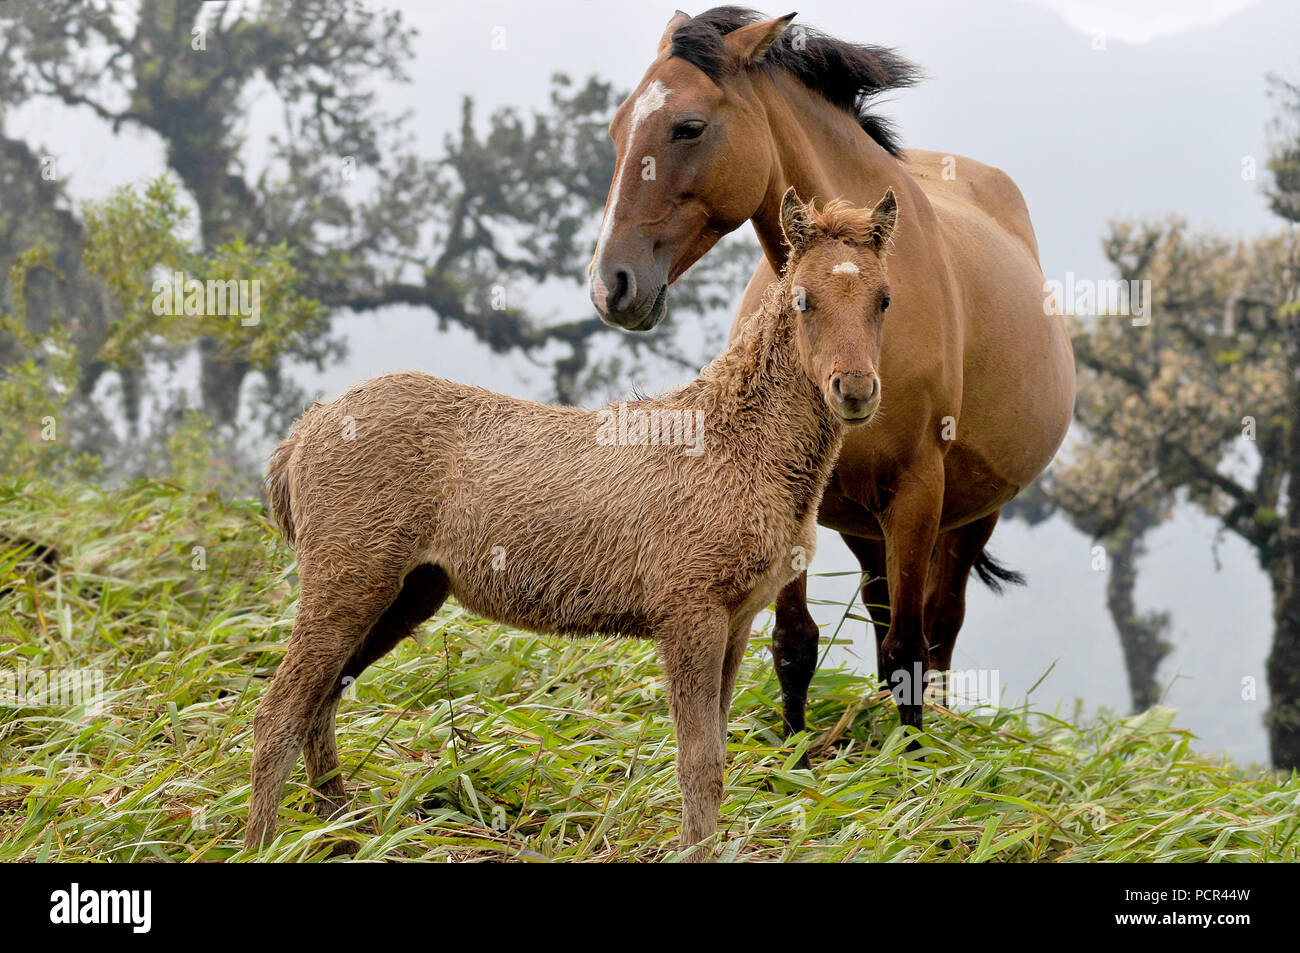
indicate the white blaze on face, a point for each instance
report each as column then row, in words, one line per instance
column 846, row 268
column 650, row 101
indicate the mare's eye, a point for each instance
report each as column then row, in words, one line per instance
column 884, row 303
column 691, row 129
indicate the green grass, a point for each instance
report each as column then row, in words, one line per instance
column 478, row 743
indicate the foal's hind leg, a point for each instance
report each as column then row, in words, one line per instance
column 328, row 628
column 423, row 592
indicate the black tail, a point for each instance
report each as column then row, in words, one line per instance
column 995, row 575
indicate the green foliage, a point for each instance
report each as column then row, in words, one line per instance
column 1284, row 160
column 1165, row 407
column 481, row 743
column 35, row 390
column 135, row 245
column 247, row 302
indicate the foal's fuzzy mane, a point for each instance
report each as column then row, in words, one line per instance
column 763, row 347
column 760, row 347
column 843, row 221
column 850, row 75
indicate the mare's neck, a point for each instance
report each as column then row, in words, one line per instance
column 820, row 150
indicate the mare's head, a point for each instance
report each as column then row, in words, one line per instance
column 700, row 144
column 838, row 291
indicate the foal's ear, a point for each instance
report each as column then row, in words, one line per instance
column 796, row 223
column 676, row 23
column 748, row 45
column 884, row 219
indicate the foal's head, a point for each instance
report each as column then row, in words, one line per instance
column 839, row 292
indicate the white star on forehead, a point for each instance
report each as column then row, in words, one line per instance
column 846, row 268
column 649, row 102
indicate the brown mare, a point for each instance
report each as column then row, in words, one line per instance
column 979, row 381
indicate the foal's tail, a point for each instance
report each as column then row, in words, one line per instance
column 995, row 575
column 278, row 472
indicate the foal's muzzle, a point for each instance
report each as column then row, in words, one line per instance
column 855, row 397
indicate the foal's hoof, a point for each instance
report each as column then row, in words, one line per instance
column 702, row 854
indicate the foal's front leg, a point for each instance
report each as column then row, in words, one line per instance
column 692, row 650
column 737, row 642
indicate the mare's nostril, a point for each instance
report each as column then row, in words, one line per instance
column 624, row 290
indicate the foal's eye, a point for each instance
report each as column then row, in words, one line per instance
column 884, row 304
column 691, row 129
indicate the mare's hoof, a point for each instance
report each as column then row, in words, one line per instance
column 344, row 848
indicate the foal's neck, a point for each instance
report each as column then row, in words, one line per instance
column 763, row 394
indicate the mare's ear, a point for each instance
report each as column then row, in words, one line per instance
column 884, row 219
column 747, row 45
column 796, row 223
column 676, row 23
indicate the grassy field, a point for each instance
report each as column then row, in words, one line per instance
column 481, row 744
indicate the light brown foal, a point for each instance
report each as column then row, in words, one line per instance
column 409, row 488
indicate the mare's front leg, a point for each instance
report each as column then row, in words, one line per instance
column 794, row 652
column 875, row 587
column 692, row 649
column 911, row 525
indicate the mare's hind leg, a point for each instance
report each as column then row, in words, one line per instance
column 875, row 588
column 424, row 590
column 945, row 610
column 794, row 651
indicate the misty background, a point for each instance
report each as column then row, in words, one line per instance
column 1098, row 110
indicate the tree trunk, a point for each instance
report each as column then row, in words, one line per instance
column 219, row 382
column 1140, row 637
column 1284, row 659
